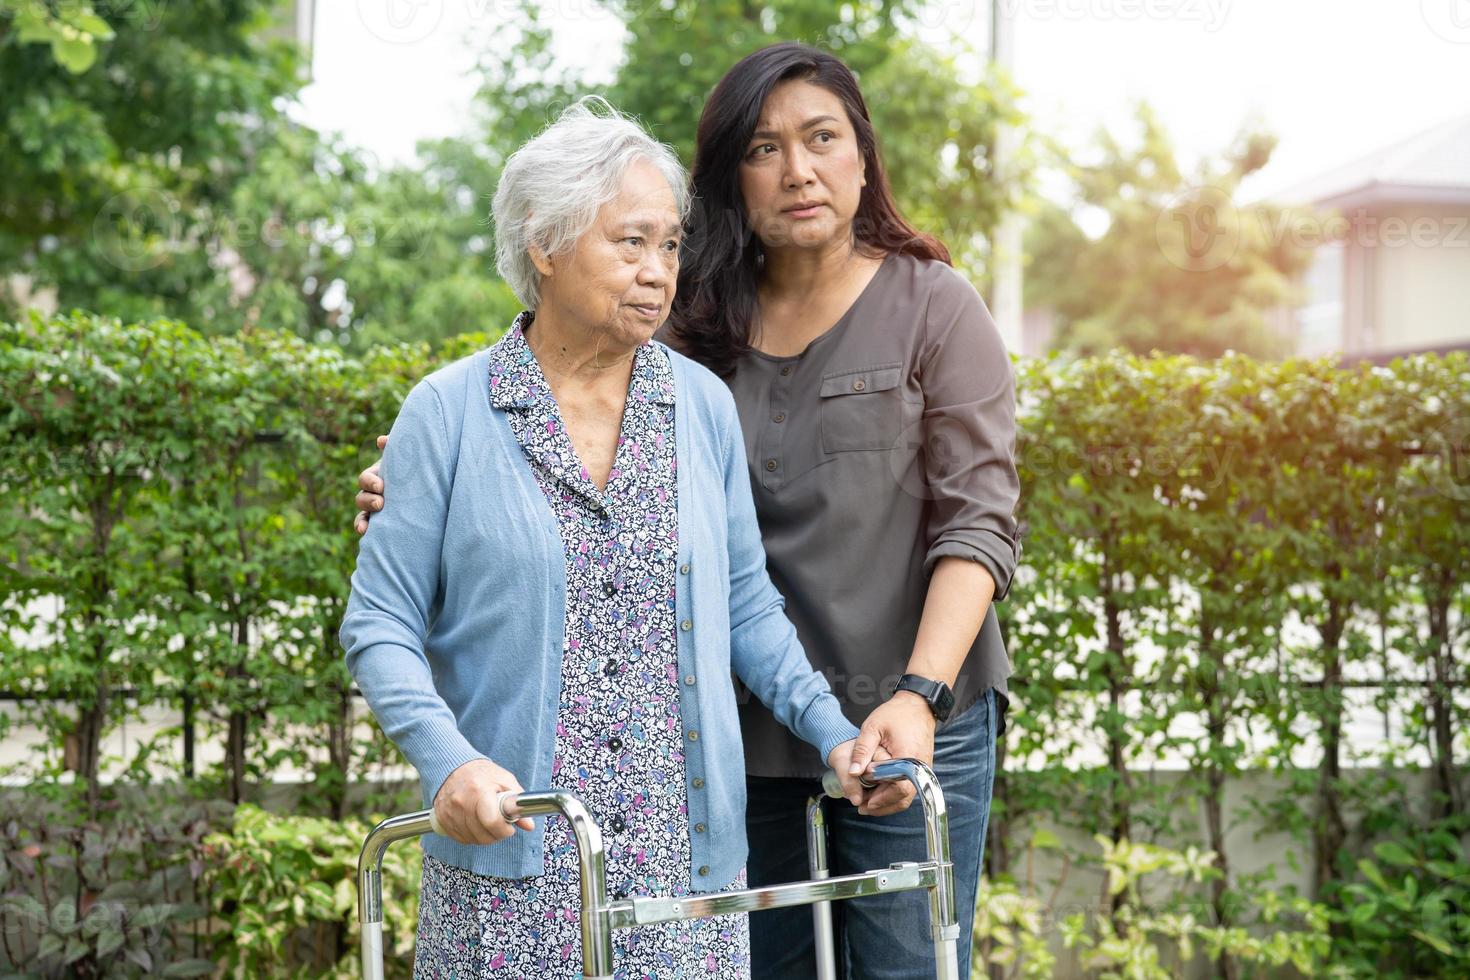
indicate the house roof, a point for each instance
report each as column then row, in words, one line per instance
column 1432, row 167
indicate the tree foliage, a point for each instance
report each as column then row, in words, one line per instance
column 159, row 175
column 1178, row 266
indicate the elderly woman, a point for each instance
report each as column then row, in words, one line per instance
column 566, row 574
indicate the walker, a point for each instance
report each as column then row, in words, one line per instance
column 599, row 916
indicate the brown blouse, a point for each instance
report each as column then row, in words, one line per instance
column 885, row 445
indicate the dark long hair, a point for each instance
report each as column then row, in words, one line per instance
column 715, row 305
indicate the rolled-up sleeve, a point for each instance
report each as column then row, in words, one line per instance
column 969, row 433
column 764, row 649
column 395, row 591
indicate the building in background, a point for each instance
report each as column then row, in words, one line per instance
column 1391, row 235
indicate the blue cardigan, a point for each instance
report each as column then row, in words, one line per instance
column 455, row 626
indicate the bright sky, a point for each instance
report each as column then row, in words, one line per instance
column 1334, row 79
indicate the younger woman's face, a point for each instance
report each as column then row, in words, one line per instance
column 803, row 173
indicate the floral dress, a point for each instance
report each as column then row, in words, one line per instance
column 618, row 725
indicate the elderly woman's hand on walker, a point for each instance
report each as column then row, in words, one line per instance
column 468, row 807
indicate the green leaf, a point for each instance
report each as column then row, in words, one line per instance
column 76, row 55
column 1371, row 872
column 1044, row 839
column 109, row 941
column 1393, row 852
column 1439, row 943
column 1364, row 913
column 93, row 25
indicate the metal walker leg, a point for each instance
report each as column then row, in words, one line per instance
column 816, row 852
column 599, row 917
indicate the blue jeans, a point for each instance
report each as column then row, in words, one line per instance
column 881, row 936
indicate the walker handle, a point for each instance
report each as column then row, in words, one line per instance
column 832, row 783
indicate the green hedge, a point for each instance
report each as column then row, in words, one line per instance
column 1216, row 555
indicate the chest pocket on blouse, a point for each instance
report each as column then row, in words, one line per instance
column 861, row 409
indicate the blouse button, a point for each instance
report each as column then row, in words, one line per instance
column 614, row 743
column 699, row 828
column 698, row 783
column 684, row 569
column 786, row 370
column 704, row 869
column 686, row 626
column 693, row 735
column 619, row 824
column 688, row 680
column 611, row 668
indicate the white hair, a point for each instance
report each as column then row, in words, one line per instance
column 553, row 186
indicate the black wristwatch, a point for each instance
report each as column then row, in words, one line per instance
column 937, row 693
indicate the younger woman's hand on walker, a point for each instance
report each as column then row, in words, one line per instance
column 903, row 726
column 467, row 806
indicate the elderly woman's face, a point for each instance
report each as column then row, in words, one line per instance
column 620, row 275
column 803, row 172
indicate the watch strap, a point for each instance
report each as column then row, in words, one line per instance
column 936, row 693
